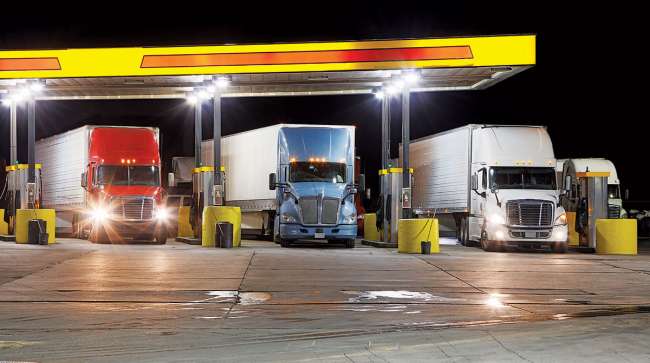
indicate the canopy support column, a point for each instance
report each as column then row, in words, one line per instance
column 219, row 190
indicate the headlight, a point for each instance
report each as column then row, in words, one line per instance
column 496, row 219
column 162, row 214
column 351, row 219
column 287, row 218
column 99, row 214
column 560, row 220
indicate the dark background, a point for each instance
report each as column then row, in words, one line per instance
column 586, row 86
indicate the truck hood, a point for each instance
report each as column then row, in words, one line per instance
column 313, row 189
column 517, row 194
column 132, row 190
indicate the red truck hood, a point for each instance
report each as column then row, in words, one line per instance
column 134, row 190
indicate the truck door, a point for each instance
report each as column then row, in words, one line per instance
column 479, row 186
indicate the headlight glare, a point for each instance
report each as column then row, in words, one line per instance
column 287, row 218
column 99, row 214
column 496, row 219
column 561, row 220
column 351, row 219
column 162, row 214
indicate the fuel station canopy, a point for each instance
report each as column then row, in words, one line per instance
column 319, row 68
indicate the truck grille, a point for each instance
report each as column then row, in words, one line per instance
column 319, row 211
column 133, row 208
column 309, row 210
column 330, row 212
column 530, row 213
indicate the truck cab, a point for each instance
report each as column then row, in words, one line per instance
column 122, row 182
column 314, row 185
column 514, row 195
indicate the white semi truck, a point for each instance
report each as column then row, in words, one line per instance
column 498, row 182
column 573, row 194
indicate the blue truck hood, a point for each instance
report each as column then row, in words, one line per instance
column 313, row 189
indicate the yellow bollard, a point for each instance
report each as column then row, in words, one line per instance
column 23, row 216
column 370, row 231
column 4, row 226
column 574, row 238
column 411, row 232
column 184, row 225
column 214, row 214
column 616, row 237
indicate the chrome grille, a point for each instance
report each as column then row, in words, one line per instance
column 330, row 211
column 530, row 213
column 133, row 208
column 309, row 210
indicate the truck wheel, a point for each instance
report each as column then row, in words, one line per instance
column 285, row 243
column 161, row 236
column 489, row 246
column 98, row 235
column 349, row 243
column 559, row 247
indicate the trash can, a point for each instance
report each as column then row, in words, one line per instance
column 223, row 235
column 425, row 247
column 36, row 232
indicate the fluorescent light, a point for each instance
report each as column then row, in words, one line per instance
column 191, row 99
column 222, row 82
column 411, row 77
column 36, row 87
column 379, row 95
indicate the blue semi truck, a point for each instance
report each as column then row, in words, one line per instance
column 310, row 189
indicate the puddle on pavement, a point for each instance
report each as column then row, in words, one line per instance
column 366, row 296
column 241, row 298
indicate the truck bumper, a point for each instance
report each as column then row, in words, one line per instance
column 297, row 231
column 528, row 236
column 133, row 229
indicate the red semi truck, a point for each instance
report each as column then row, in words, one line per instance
column 105, row 183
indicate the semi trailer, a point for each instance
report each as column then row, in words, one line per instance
column 292, row 182
column 104, row 183
column 571, row 184
column 498, row 182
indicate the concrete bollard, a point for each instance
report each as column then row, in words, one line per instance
column 214, row 214
column 411, row 233
column 616, row 237
column 23, row 216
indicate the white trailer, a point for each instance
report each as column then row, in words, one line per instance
column 498, row 182
column 573, row 193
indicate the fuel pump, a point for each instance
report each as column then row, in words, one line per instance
column 397, row 200
column 592, row 205
column 21, row 193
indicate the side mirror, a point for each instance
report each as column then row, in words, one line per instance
column 171, row 181
column 84, row 180
column 627, row 194
column 494, row 189
column 474, row 182
column 567, row 183
column 273, row 181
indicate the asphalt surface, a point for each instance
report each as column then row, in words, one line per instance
column 75, row 301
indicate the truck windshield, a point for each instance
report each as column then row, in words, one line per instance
column 613, row 191
column 128, row 175
column 522, row 178
column 303, row 171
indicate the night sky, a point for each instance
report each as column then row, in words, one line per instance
column 581, row 88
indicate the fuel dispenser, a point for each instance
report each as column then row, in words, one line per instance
column 205, row 192
column 591, row 188
column 21, row 193
column 396, row 201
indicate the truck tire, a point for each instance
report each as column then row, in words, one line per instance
column 462, row 232
column 161, row 236
column 285, row 243
column 489, row 246
column 99, row 235
column 349, row 243
column 559, row 247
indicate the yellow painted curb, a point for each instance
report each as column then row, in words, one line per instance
column 23, row 216
column 616, row 236
column 214, row 214
column 410, row 232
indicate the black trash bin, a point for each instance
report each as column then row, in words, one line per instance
column 223, row 235
column 425, row 247
column 36, row 232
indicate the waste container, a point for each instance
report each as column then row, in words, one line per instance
column 36, row 232
column 223, row 235
column 425, row 246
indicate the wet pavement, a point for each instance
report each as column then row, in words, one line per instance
column 75, row 301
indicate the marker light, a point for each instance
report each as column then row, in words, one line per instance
column 293, row 160
column 122, row 160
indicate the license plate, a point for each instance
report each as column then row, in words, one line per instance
column 531, row 234
column 320, row 235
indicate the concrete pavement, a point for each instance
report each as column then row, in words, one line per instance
column 75, row 301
